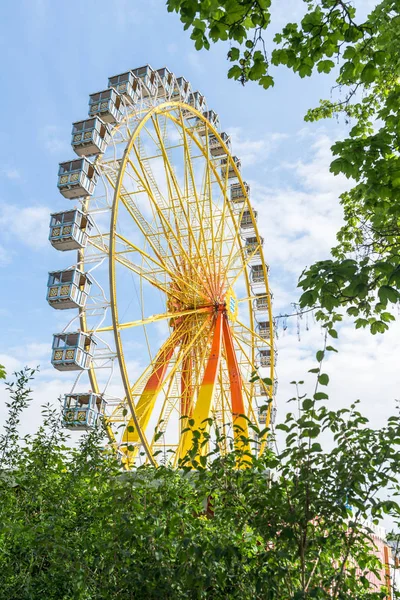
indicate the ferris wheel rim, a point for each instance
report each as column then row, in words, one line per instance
column 160, row 108
column 141, row 114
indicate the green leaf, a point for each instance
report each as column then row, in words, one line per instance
column 347, row 71
column 307, row 299
column 233, row 54
column 369, row 73
column 305, row 70
column 257, row 70
column 316, row 447
column 349, row 52
column 307, row 404
column 388, row 293
column 325, row 66
column 320, row 355
column 266, row 81
column 323, row 379
column 234, row 72
column 378, row 327
column 320, row 396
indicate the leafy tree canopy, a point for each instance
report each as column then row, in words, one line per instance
column 363, row 275
column 290, row 526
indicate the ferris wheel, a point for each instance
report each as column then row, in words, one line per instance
column 173, row 322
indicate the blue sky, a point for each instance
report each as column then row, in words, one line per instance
column 56, row 53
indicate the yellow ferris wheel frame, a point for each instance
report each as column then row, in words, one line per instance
column 219, row 337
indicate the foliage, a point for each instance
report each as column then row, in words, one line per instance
column 72, row 526
column 364, row 274
column 2, row 372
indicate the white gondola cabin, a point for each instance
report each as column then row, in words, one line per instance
column 264, row 358
column 165, row 82
column 262, row 391
column 148, row 77
column 216, row 148
column 68, row 289
column 182, row 89
column 227, row 164
column 90, row 137
column 263, row 330
column 212, row 117
column 106, row 104
column 257, row 274
column 237, row 194
column 262, row 415
column 196, row 101
column 248, row 218
column 253, row 246
column 77, row 178
column 72, row 351
column 261, row 302
column 69, row 230
column 127, row 85
column 82, row 412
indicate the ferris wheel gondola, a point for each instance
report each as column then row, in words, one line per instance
column 169, row 264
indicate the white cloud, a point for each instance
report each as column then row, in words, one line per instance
column 172, row 48
column 299, row 220
column 365, row 368
column 54, row 140
column 31, row 352
column 29, row 224
column 250, row 151
column 195, row 62
column 10, row 173
column 5, row 256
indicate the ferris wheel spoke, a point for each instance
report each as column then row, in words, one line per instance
column 245, row 263
column 184, row 283
column 158, row 209
column 186, row 387
column 168, row 231
column 232, row 259
column 174, row 190
column 208, row 195
column 169, row 403
column 211, row 167
column 253, row 334
column 189, row 173
column 149, row 277
column 157, row 318
column 220, row 234
column 141, row 222
column 148, row 397
column 136, row 388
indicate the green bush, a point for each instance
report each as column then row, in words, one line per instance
column 73, row 526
